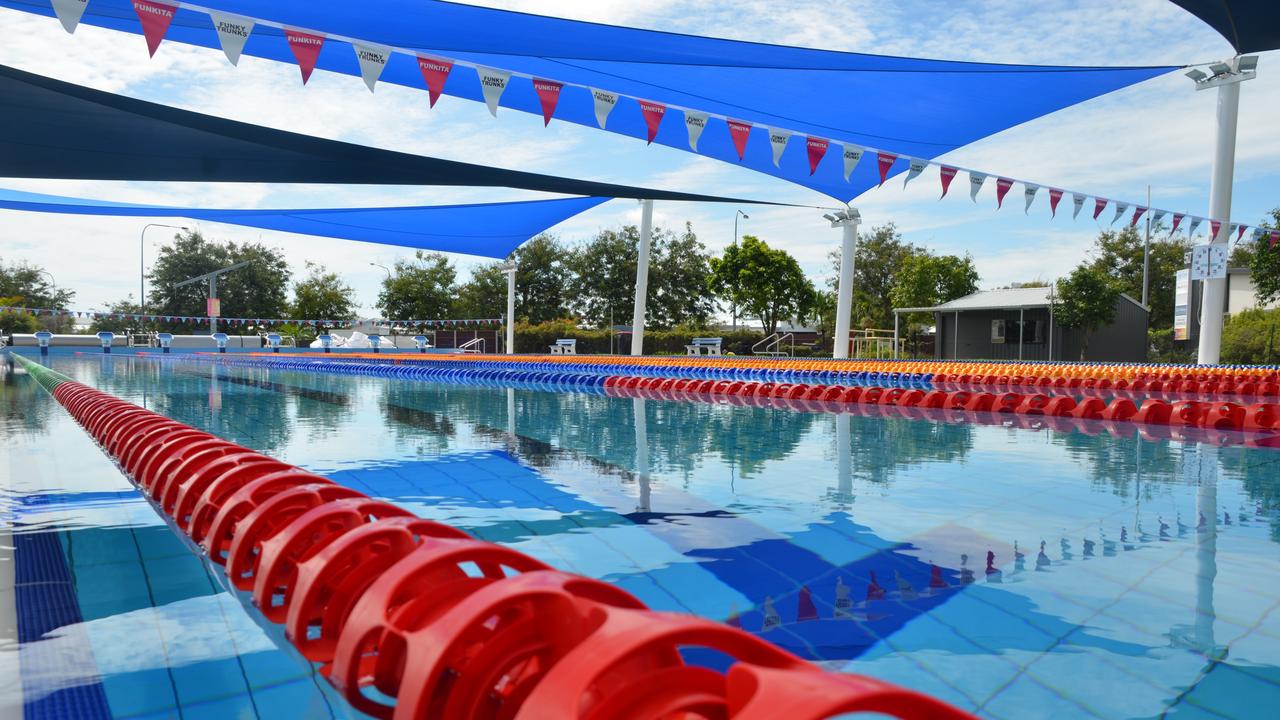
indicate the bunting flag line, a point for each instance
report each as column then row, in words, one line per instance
column 548, row 96
column 1078, row 201
column 1120, row 210
column 976, row 179
column 778, row 141
column 69, row 13
column 1055, row 196
column 604, row 102
column 1002, row 189
column 1098, row 205
column 233, row 32
column 493, row 83
column 372, row 59
column 915, row 166
column 306, row 50
column 739, row 131
column 885, row 160
column 946, row 175
column 817, row 149
column 435, row 72
column 155, row 18
column 696, row 122
column 653, row 113
column 852, row 154
column 1029, row 193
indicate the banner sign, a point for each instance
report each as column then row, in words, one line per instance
column 1181, row 301
column 213, row 307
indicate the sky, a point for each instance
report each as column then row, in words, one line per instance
column 1158, row 134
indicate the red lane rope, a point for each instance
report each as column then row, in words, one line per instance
column 412, row 619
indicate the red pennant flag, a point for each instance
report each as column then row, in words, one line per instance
column 947, row 174
column 817, row 149
column 1137, row 215
column 1002, row 189
column 1240, row 234
column 739, row 131
column 435, row 72
column 1275, row 237
column 1098, row 205
column 1177, row 220
column 1214, row 227
column 549, row 95
column 885, row 161
column 653, row 113
column 306, row 50
column 1054, row 197
column 155, row 19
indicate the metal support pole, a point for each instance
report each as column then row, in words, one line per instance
column 511, row 311
column 1224, row 161
column 213, row 295
column 895, row 335
column 1146, row 254
column 1052, row 285
column 1022, row 314
column 848, row 222
column 955, row 338
column 642, row 277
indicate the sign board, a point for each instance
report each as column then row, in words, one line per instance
column 1209, row 262
column 1181, row 303
column 213, row 306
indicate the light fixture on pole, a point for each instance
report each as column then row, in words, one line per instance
column 142, row 272
column 733, row 306
column 847, row 219
column 384, row 267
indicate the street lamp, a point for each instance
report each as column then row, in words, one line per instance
column 847, row 219
column 384, row 267
column 733, row 306
column 142, row 272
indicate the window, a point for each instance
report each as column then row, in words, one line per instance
column 997, row 331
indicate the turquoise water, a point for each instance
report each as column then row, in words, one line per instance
column 1016, row 573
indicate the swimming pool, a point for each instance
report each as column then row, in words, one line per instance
column 1013, row 572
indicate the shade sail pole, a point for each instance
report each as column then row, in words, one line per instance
column 848, row 221
column 511, row 309
column 642, row 277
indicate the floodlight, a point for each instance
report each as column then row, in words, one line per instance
column 1196, row 75
column 1220, row 68
column 1248, row 63
column 829, row 217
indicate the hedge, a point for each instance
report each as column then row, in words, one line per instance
column 538, row 338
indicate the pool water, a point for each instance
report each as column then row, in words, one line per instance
column 1015, row 573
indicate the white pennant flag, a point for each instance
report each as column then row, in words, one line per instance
column 233, row 32
column 1120, row 208
column 1029, row 194
column 976, row 179
column 1077, row 202
column 696, row 122
column 373, row 59
column 604, row 105
column 1156, row 217
column 852, row 154
column 778, row 139
column 492, row 84
column 69, row 13
column 1195, row 223
column 915, row 166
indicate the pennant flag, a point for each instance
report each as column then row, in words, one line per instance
column 852, row 154
column 373, row 60
column 233, row 31
column 653, row 113
column 947, row 174
column 1195, row 225
column 1098, row 205
column 1077, row 202
column 435, row 72
column 885, row 161
column 1214, row 226
column 1120, row 210
column 817, row 148
column 1029, row 194
column 976, row 179
column 739, row 131
column 1055, row 196
column 695, row 122
column 306, row 50
column 915, row 166
column 1240, row 233
column 1275, row 237
column 155, row 19
column 1002, row 189
column 1177, row 220
column 778, row 140
column 604, row 102
column 1157, row 216
column 69, row 13
column 492, row 84
column 1137, row 215
column 549, row 96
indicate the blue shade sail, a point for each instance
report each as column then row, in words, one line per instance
column 488, row 230
column 907, row 106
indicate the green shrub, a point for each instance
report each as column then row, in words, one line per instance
column 538, row 338
column 1162, row 348
column 1252, row 337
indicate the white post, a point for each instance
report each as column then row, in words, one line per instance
column 511, row 310
column 642, row 452
column 1224, row 162
column 642, row 277
column 895, row 335
column 848, row 222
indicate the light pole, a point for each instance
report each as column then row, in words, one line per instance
column 142, row 252
column 733, row 306
column 384, row 267
column 1226, row 76
column 847, row 219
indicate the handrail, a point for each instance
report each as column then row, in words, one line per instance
column 773, row 343
column 471, row 345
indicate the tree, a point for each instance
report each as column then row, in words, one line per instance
column 602, row 277
column 926, row 280
column 419, row 289
column 540, row 280
column 880, row 255
column 678, row 278
column 25, row 285
column 107, row 322
column 763, row 282
column 1086, row 300
column 322, row 296
column 258, row 290
column 1264, row 265
column 1252, row 337
column 1119, row 255
column 485, row 294
column 14, row 321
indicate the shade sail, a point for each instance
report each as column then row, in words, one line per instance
column 489, row 230
column 1249, row 25
column 53, row 129
column 914, row 107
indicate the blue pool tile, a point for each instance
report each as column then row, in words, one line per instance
column 178, row 577
column 233, row 708
column 299, row 698
column 141, row 692
column 209, row 679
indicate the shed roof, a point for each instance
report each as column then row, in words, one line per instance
column 1002, row 299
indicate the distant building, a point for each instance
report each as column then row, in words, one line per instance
column 1017, row 324
column 1241, row 295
